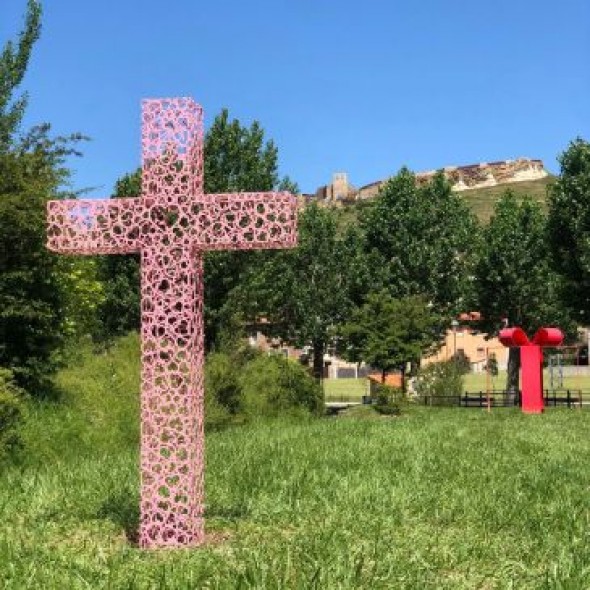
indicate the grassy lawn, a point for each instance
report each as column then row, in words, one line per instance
column 478, row 382
column 352, row 389
column 435, row 499
column 345, row 388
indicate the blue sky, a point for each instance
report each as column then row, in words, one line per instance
column 362, row 87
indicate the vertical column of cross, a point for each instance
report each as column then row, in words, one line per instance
column 172, row 400
column 172, row 442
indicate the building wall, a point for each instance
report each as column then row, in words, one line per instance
column 474, row 346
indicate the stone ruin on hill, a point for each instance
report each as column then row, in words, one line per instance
column 463, row 178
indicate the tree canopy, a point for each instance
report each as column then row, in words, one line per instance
column 33, row 303
column 388, row 333
column 516, row 284
column 569, row 227
column 14, row 60
column 306, row 292
column 422, row 239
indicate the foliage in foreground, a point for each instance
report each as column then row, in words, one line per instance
column 439, row 499
column 33, row 301
column 11, row 414
column 99, row 392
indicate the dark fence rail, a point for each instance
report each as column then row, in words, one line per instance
column 570, row 398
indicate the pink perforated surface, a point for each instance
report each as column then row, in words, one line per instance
column 171, row 225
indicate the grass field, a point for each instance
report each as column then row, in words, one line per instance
column 350, row 389
column 434, row 499
column 479, row 382
column 438, row 498
column 345, row 388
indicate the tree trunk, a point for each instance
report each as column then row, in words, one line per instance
column 318, row 360
column 403, row 378
column 513, row 372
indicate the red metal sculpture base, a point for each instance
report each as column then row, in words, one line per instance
column 172, row 224
column 531, row 362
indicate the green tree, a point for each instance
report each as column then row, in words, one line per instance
column 388, row 333
column 516, row 285
column 119, row 311
column 306, row 292
column 422, row 239
column 569, row 227
column 492, row 365
column 32, row 170
column 237, row 159
column 14, row 60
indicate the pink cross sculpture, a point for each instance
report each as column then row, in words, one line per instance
column 171, row 225
column 531, row 362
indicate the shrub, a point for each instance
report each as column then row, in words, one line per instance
column 492, row 365
column 388, row 400
column 243, row 384
column 462, row 362
column 222, row 390
column 222, row 381
column 11, row 413
column 441, row 382
column 273, row 385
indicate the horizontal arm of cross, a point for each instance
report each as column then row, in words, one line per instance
column 245, row 221
column 89, row 226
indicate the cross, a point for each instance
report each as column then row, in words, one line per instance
column 531, row 362
column 171, row 225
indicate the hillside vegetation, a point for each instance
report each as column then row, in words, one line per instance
column 481, row 200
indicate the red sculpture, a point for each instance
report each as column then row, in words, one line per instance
column 531, row 362
column 171, row 225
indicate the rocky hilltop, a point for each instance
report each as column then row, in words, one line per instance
column 463, row 178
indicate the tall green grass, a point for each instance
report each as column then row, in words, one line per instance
column 433, row 499
column 439, row 499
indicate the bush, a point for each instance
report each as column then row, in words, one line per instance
column 441, row 382
column 273, row 385
column 222, row 390
column 222, row 381
column 241, row 384
column 388, row 400
column 492, row 365
column 462, row 362
column 11, row 414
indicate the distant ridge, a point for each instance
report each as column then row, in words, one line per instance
column 463, row 179
column 481, row 185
